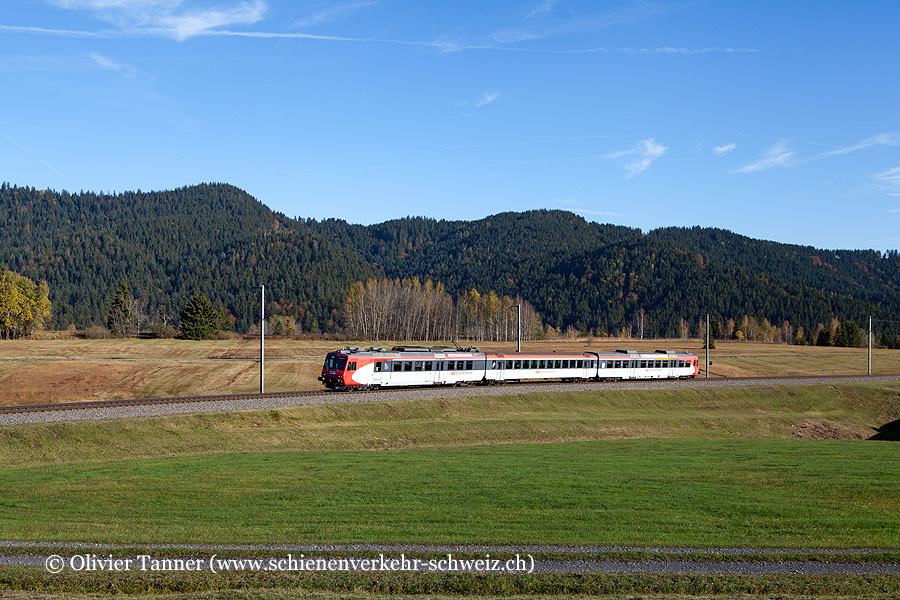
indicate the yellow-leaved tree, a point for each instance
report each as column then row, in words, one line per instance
column 24, row 305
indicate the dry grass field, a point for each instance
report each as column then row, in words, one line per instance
column 72, row 370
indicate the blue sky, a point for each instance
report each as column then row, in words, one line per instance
column 776, row 120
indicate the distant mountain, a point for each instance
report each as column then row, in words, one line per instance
column 219, row 240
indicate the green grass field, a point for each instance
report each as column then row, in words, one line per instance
column 768, row 493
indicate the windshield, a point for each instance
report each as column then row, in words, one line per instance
column 335, row 362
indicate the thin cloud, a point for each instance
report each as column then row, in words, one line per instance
column 725, row 149
column 889, row 181
column 542, row 8
column 108, row 64
column 882, row 139
column 486, row 99
column 894, row 210
column 642, row 156
column 167, row 17
column 332, row 13
column 776, row 156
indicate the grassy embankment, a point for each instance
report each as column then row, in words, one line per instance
column 42, row 371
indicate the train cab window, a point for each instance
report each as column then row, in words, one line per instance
column 428, row 365
column 351, row 366
column 335, row 362
column 378, row 367
column 468, row 365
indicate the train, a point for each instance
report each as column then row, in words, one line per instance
column 418, row 366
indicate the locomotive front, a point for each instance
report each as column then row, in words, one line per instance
column 333, row 371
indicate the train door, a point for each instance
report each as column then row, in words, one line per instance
column 494, row 369
column 381, row 373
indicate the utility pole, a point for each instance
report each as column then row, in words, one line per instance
column 870, row 344
column 707, row 345
column 262, row 339
column 518, row 308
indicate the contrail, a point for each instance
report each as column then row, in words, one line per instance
column 24, row 149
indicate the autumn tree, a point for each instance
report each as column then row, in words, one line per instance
column 24, row 305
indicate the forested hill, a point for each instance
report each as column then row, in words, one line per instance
column 214, row 239
column 218, row 240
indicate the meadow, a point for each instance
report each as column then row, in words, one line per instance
column 71, row 370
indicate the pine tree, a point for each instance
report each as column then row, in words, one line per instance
column 199, row 320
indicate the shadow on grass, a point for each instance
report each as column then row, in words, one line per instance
column 888, row 432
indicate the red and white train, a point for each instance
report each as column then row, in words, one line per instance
column 412, row 366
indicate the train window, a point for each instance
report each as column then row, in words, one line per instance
column 335, row 362
column 659, row 364
column 468, row 365
column 602, row 364
column 407, row 365
column 618, row 364
column 580, row 364
column 542, row 364
column 351, row 366
column 378, row 367
column 428, row 365
column 517, row 364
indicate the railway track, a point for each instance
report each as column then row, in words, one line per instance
column 136, row 402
